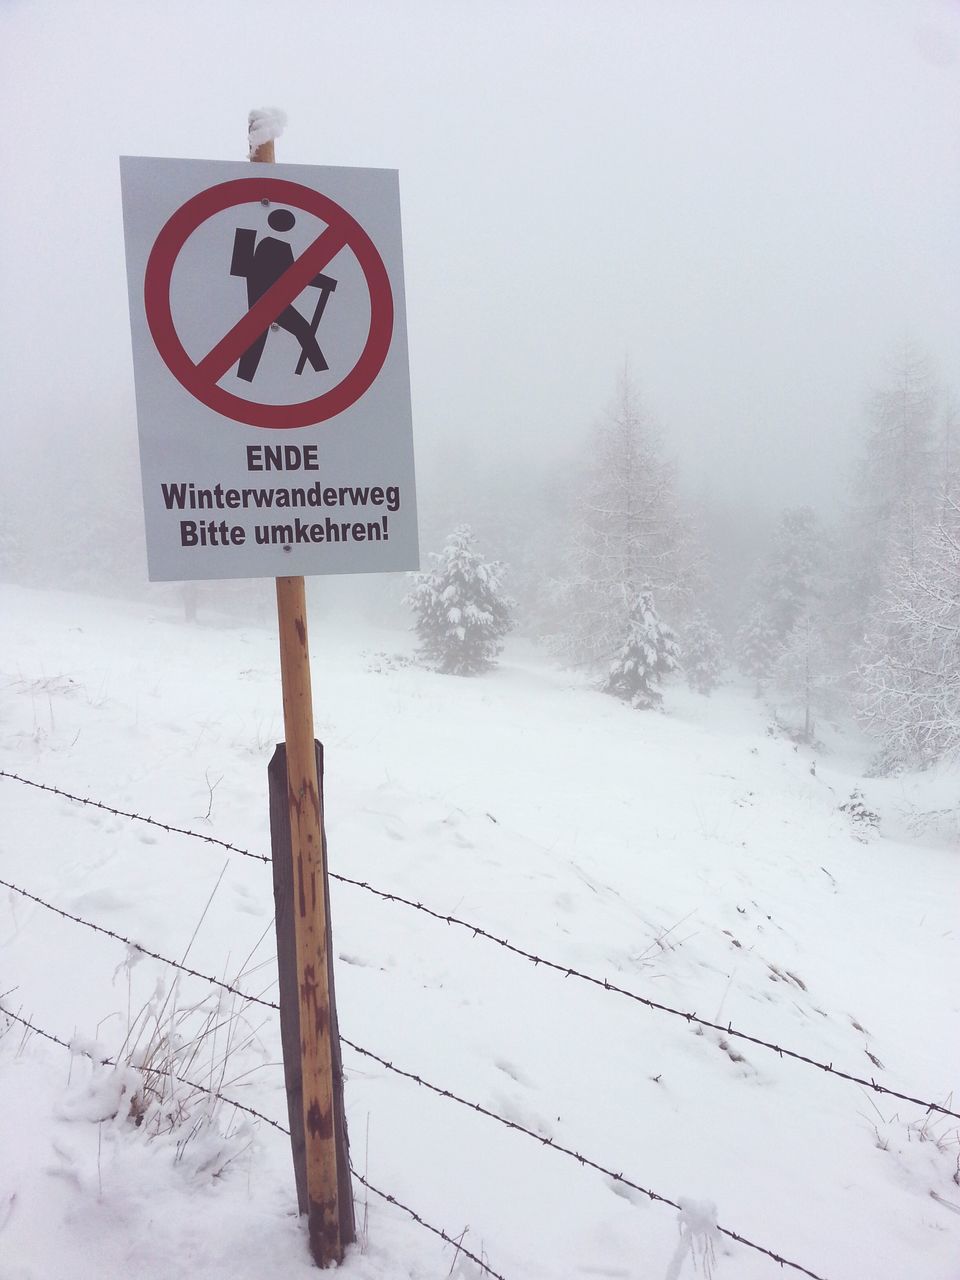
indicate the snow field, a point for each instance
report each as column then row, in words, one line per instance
column 686, row 856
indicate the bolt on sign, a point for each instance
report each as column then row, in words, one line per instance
column 270, row 357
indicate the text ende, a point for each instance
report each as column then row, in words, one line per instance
column 282, row 457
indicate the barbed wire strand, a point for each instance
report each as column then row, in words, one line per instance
column 240, row 1106
column 48, row 1035
column 567, row 1151
column 111, row 1062
column 136, row 817
column 136, row 946
column 461, row 1248
column 477, row 931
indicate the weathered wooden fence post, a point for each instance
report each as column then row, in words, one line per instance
column 283, row 894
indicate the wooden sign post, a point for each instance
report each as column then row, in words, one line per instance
column 309, row 913
column 338, row 440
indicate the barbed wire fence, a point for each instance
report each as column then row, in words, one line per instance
column 476, row 1107
column 478, row 932
column 544, row 962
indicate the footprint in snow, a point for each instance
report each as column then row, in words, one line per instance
column 514, row 1072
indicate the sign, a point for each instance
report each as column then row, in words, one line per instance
column 270, row 358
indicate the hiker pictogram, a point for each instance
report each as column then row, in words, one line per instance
column 276, row 277
column 262, row 265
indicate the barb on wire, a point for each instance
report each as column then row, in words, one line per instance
column 241, row 1106
column 477, row 931
column 136, row 817
column 581, row 1159
column 136, row 946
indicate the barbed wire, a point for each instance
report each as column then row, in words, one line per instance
column 241, row 1106
column 457, row 1244
column 477, row 931
column 581, row 1159
column 48, row 1035
column 111, row 1062
column 136, row 946
column 476, row 1107
column 136, row 817
column 366, row 1053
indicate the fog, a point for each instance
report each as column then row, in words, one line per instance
column 748, row 203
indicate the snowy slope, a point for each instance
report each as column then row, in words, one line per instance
column 689, row 857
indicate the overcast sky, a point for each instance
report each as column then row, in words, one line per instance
column 750, row 200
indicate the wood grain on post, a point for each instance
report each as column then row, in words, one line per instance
column 310, row 929
column 310, row 911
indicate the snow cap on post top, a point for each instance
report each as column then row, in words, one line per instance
column 264, row 125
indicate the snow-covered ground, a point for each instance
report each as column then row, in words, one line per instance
column 688, row 856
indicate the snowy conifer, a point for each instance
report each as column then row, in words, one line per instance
column 627, row 533
column 801, row 672
column 902, row 466
column 702, row 651
column 757, row 646
column 907, row 685
column 649, row 652
column 791, row 578
column 461, row 610
column 897, row 481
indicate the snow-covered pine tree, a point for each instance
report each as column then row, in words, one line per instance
column 801, row 672
column 908, row 675
column 899, row 564
column 791, row 577
column 701, row 646
column 627, row 533
column 461, row 610
column 756, row 647
column 907, row 449
column 649, row 653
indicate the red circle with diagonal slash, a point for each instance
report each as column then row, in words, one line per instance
column 201, row 378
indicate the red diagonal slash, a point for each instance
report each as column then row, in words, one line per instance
column 269, row 305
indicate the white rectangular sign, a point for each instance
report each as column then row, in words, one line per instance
column 270, row 357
